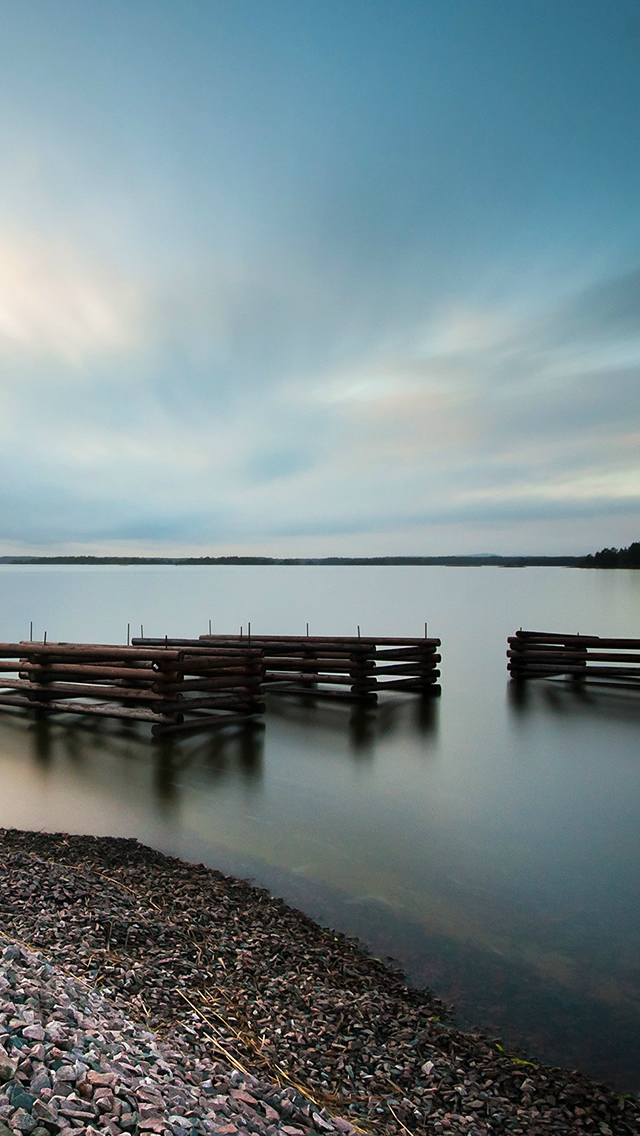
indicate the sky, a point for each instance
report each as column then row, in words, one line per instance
column 316, row 277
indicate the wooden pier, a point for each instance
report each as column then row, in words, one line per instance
column 172, row 689
column 209, row 682
column 579, row 658
column 351, row 668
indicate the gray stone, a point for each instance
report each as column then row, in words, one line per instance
column 40, row 1081
column 67, row 1073
column 46, row 1112
column 23, row 1121
column 61, row 1088
column 19, row 1098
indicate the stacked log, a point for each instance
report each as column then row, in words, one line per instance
column 356, row 669
column 170, row 688
column 581, row 658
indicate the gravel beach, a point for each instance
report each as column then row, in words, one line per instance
column 142, row 994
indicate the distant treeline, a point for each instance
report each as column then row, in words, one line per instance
column 442, row 561
column 607, row 558
column 615, row 557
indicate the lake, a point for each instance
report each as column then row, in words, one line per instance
column 488, row 843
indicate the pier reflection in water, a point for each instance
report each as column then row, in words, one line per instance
column 558, row 696
column 486, row 840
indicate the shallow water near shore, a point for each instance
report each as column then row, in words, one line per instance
column 488, row 843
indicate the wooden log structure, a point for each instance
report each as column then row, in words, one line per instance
column 352, row 668
column 172, row 688
column 578, row 658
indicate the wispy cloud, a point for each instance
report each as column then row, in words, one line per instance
column 500, row 421
column 54, row 307
column 264, row 283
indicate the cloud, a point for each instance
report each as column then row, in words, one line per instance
column 56, row 306
column 608, row 310
column 474, row 415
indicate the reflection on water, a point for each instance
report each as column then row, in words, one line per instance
column 486, row 840
column 224, row 754
column 557, row 696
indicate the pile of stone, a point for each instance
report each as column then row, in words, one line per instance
column 255, row 998
column 73, row 1064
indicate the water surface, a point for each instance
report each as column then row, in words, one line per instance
column 488, row 843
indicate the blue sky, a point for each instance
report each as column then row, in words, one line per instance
column 315, row 276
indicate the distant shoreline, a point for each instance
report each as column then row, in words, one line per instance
column 349, row 561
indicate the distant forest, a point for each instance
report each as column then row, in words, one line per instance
column 606, row 558
column 615, row 557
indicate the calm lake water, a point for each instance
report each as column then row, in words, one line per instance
column 489, row 845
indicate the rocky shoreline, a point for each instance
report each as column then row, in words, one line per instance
column 142, row 994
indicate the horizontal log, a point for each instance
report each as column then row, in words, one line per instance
column 331, row 658
column 524, row 648
column 205, row 659
column 617, row 643
column 76, row 672
column 81, row 690
column 138, row 714
column 293, row 676
column 197, row 671
column 43, row 677
column 63, row 652
column 134, row 713
column 405, row 653
column 206, row 673
column 201, row 663
column 409, row 668
column 413, row 688
column 186, row 705
column 273, row 664
column 233, row 682
column 413, row 683
column 326, row 650
column 590, row 655
column 554, row 656
column 359, row 640
column 197, row 646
